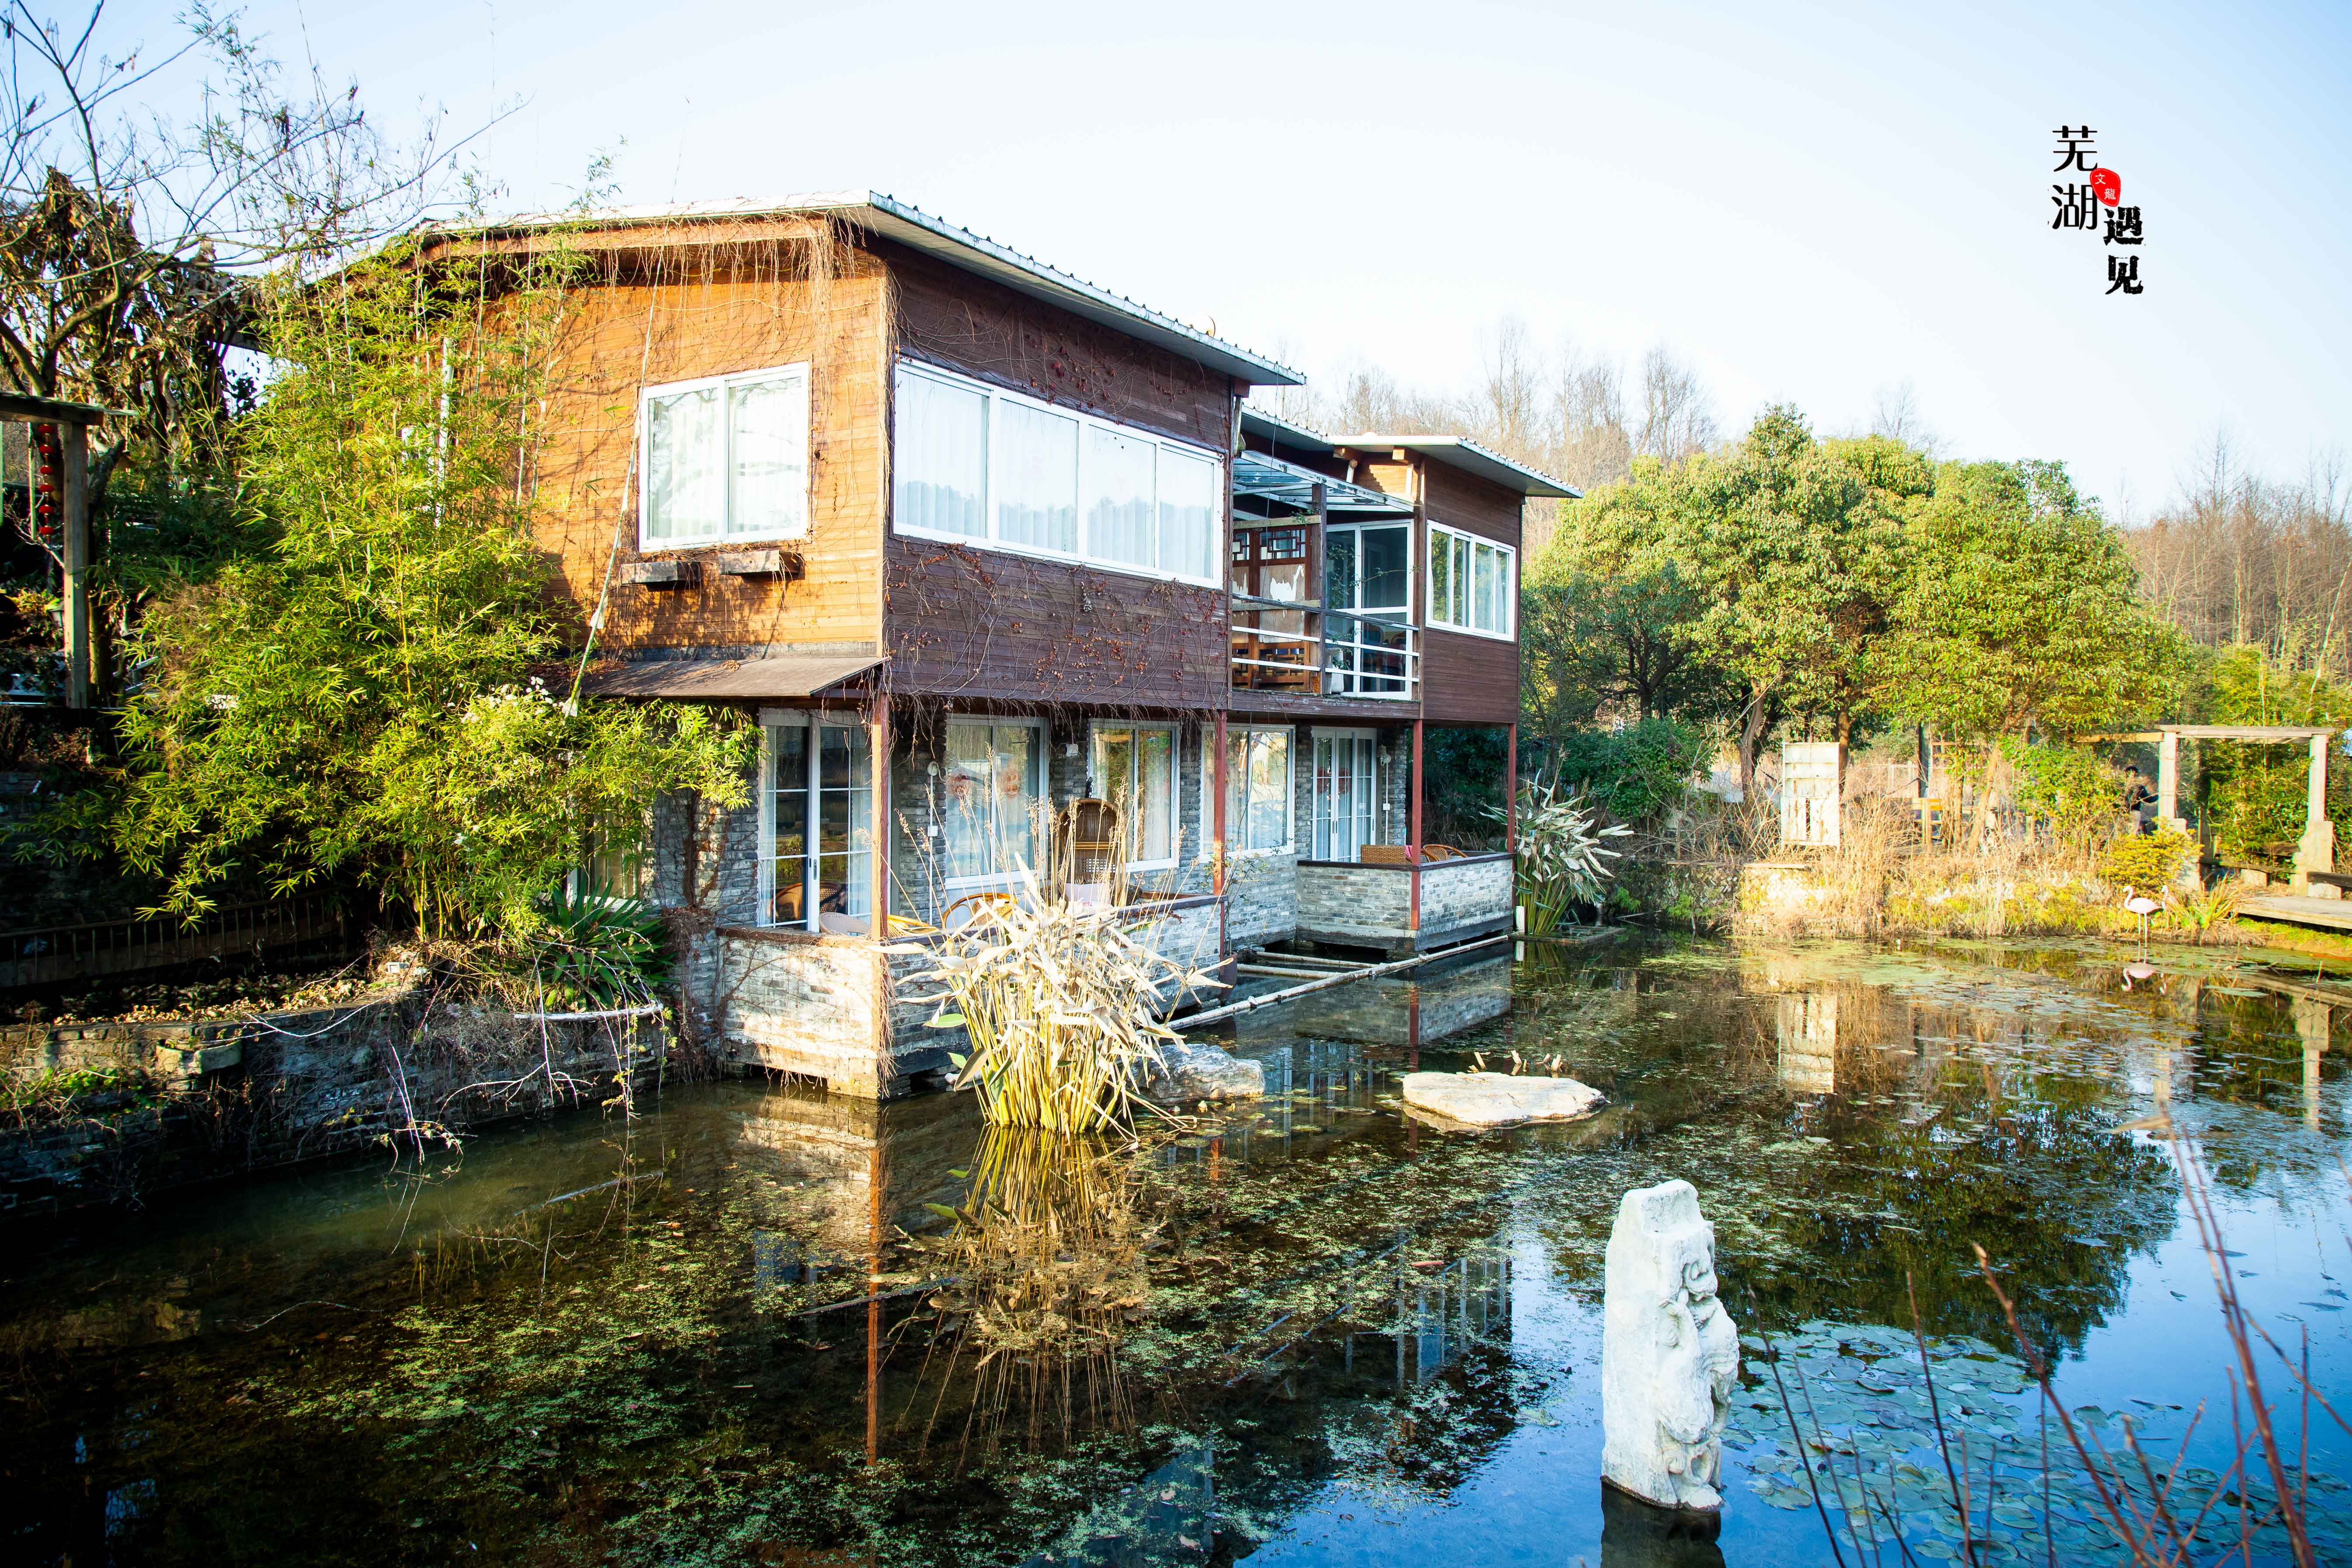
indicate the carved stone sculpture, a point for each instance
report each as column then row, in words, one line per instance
column 1669, row 1354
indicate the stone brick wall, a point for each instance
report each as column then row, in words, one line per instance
column 205, row 1100
column 1371, row 906
column 1461, row 895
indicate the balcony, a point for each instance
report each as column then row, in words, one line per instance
column 1284, row 644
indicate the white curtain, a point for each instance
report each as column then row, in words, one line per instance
column 941, row 452
column 1188, row 514
column 685, row 496
column 769, row 499
column 1119, row 498
column 1037, row 478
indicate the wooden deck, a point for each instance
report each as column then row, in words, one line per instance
column 2335, row 915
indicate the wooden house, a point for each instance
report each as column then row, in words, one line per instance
column 898, row 492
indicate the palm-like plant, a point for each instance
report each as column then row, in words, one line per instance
column 1563, row 853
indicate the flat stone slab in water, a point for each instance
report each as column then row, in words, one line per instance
column 1499, row 1098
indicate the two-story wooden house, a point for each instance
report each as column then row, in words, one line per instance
column 1012, row 581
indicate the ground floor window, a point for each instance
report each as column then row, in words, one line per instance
column 1134, row 770
column 994, row 790
column 816, row 822
column 1347, row 794
column 1257, row 788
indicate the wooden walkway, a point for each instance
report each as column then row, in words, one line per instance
column 2335, row 915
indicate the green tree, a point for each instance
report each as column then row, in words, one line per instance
column 2021, row 607
column 368, row 697
column 1604, row 634
column 2256, row 793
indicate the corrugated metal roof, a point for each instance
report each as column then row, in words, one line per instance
column 909, row 225
column 728, row 679
column 1459, row 452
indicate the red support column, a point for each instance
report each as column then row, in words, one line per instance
column 1511, row 792
column 879, row 761
column 1412, row 850
column 1217, row 837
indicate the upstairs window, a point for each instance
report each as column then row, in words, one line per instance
column 725, row 459
column 1473, row 583
column 976, row 464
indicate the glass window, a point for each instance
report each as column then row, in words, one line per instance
column 1037, row 478
column 974, row 462
column 1134, row 770
column 684, row 499
column 1386, row 554
column 1188, row 512
column 942, row 455
column 1474, row 583
column 819, row 823
column 1258, row 789
column 727, row 461
column 1345, row 795
column 1119, row 480
column 995, row 785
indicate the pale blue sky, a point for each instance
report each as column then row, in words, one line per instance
column 1808, row 203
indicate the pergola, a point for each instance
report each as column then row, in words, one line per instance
column 59, row 499
column 2317, row 850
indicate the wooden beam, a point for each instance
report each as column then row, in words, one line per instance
column 1413, row 849
column 879, row 761
column 1217, row 840
column 1511, row 792
column 56, row 410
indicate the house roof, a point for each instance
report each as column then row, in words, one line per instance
column 790, row 674
column 894, row 219
column 1460, row 452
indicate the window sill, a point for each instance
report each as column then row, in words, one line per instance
column 1473, row 632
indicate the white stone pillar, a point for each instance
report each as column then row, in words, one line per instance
column 1669, row 1352
column 2316, row 852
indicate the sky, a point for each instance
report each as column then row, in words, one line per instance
column 1810, row 204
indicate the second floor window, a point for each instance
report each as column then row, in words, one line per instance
column 725, row 459
column 975, row 463
column 1473, row 584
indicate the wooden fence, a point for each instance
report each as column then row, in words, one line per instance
column 44, row 955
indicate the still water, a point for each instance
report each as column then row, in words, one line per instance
column 749, row 1328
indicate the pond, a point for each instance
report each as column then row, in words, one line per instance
column 748, row 1326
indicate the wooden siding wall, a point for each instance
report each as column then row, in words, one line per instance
column 975, row 622
column 680, row 305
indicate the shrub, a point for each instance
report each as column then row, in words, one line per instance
column 2149, row 860
column 1563, row 855
column 2072, row 789
column 1635, row 773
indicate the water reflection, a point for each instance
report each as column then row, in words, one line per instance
column 763, row 1322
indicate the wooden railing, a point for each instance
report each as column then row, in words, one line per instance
column 41, row 956
column 1281, row 646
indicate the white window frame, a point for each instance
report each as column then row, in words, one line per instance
column 1510, row 589
column 1289, row 845
column 1175, row 787
column 799, row 371
column 809, row 719
column 1220, row 532
column 1315, row 782
column 1413, row 568
column 1044, row 825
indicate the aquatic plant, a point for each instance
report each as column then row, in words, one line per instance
column 1563, row 854
column 1060, row 1002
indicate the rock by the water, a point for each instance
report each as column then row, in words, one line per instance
column 1669, row 1352
column 1204, row 1072
column 1498, row 1099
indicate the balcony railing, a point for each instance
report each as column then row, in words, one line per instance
column 1281, row 646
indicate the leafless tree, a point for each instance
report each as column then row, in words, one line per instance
column 1675, row 419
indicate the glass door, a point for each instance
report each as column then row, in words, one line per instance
column 1368, row 568
column 817, row 821
column 1347, row 794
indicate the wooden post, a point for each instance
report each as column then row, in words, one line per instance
column 878, row 732
column 1413, row 851
column 73, row 464
column 1217, row 835
column 2168, row 778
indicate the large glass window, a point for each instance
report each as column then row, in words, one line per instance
column 1258, row 789
column 942, row 456
column 1347, row 794
column 726, row 459
column 994, row 788
column 1036, row 479
column 977, row 463
column 817, row 823
column 1134, row 770
column 1473, row 584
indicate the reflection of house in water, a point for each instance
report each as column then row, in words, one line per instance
column 1809, row 1041
column 850, row 1172
column 1440, row 1002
